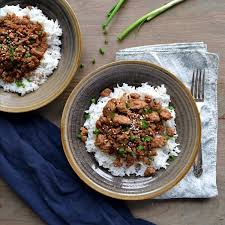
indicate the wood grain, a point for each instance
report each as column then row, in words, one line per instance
column 194, row 20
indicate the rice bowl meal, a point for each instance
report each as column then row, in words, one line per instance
column 29, row 48
column 131, row 130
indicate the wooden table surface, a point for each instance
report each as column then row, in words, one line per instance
column 194, row 20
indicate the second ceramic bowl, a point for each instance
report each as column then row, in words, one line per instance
column 70, row 55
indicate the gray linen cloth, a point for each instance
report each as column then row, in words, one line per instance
column 182, row 59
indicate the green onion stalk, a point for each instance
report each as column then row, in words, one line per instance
column 146, row 18
column 112, row 13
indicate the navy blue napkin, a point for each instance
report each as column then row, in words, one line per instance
column 32, row 162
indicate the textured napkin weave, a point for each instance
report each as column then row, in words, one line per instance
column 182, row 59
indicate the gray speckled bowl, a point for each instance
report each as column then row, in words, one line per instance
column 68, row 64
column 84, row 163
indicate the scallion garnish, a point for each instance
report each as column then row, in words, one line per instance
column 132, row 138
column 171, row 107
column 86, row 116
column 32, row 41
column 93, row 61
column 93, row 101
column 101, row 51
column 140, row 147
column 27, row 55
column 146, row 139
column 96, row 131
column 121, row 151
column 112, row 13
column 146, row 18
column 171, row 158
column 144, row 124
column 147, row 110
column 19, row 83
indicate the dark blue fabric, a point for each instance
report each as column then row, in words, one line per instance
column 32, row 162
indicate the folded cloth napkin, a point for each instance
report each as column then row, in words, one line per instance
column 182, row 59
column 32, row 162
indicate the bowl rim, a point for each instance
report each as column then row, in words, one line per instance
column 71, row 72
column 92, row 184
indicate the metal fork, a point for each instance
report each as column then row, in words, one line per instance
column 197, row 90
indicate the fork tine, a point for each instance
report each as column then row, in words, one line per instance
column 196, row 85
column 203, row 86
column 200, row 84
column 193, row 83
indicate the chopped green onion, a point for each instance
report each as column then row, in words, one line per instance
column 146, row 18
column 32, row 41
column 27, row 55
column 132, row 138
column 171, row 107
column 173, row 138
column 79, row 136
column 81, row 66
column 40, row 33
column 11, row 52
column 0, row 45
column 151, row 158
column 140, row 147
column 147, row 110
column 167, row 137
column 125, row 128
column 106, row 42
column 144, row 124
column 111, row 10
column 19, row 83
column 146, row 139
column 127, row 105
column 101, row 51
column 112, row 13
column 8, row 41
column 172, row 158
column 112, row 114
column 93, row 101
column 96, row 131
column 121, row 151
column 86, row 116
column 105, row 32
column 93, row 61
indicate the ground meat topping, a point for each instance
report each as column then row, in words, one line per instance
column 121, row 120
column 106, row 92
column 132, row 128
column 136, row 104
column 83, row 133
column 22, row 46
column 158, row 142
column 149, row 171
column 110, row 108
column 165, row 114
column 170, row 131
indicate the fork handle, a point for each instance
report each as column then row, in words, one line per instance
column 198, row 164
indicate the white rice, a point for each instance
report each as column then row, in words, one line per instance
column 106, row 160
column 51, row 57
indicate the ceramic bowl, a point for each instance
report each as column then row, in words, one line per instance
column 84, row 163
column 70, row 55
